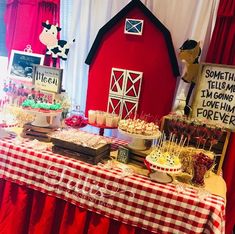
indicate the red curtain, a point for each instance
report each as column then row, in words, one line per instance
column 222, row 51
column 24, row 210
column 23, row 20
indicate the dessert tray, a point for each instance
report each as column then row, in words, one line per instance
column 80, row 145
column 138, row 140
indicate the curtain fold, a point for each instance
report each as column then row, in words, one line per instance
column 226, row 8
column 24, row 210
column 23, row 19
column 222, row 46
column 222, row 51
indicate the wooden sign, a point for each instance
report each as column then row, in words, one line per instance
column 47, row 78
column 215, row 94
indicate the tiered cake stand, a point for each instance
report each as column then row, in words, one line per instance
column 160, row 172
column 138, row 140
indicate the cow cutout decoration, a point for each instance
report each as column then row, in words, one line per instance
column 55, row 48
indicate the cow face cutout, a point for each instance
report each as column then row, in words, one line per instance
column 49, row 34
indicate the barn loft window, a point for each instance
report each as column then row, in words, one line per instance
column 134, row 26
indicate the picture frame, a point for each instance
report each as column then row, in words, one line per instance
column 21, row 64
column 47, row 78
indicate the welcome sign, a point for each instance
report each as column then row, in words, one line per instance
column 215, row 94
column 47, row 78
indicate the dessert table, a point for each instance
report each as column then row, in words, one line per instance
column 100, row 197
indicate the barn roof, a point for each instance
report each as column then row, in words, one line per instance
column 119, row 16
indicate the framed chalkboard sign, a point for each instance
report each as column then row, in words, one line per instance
column 214, row 97
column 21, row 64
column 123, row 154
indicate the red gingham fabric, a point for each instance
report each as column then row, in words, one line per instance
column 134, row 200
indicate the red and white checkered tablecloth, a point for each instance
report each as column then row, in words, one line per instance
column 134, row 199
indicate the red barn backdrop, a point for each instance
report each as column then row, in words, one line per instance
column 151, row 53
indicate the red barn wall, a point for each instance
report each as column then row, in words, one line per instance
column 147, row 53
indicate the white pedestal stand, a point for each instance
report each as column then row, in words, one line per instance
column 160, row 172
column 138, row 141
column 161, row 177
column 41, row 117
column 137, row 144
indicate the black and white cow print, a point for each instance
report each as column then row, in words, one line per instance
column 56, row 48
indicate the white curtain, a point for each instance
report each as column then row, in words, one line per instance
column 82, row 19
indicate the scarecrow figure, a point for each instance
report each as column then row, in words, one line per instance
column 189, row 55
